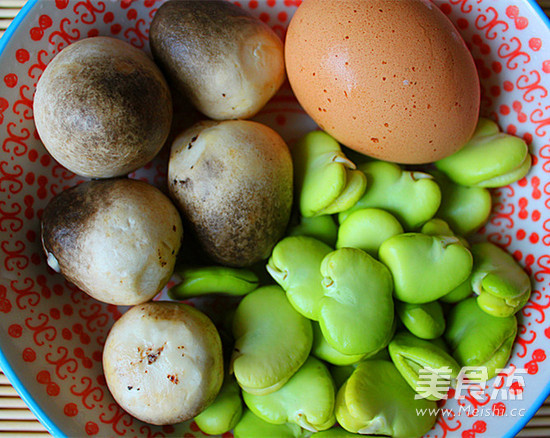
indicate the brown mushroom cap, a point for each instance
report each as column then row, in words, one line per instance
column 232, row 181
column 102, row 108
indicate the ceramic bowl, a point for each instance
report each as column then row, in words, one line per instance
column 52, row 334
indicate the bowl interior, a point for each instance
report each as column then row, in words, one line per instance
column 53, row 333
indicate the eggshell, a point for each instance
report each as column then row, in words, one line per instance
column 391, row 79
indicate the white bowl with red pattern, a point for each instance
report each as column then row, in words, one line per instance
column 52, row 334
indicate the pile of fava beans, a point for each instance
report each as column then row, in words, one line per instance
column 376, row 284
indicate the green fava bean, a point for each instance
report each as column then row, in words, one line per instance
column 366, row 229
column 358, row 301
column 466, row 209
column 323, row 350
column 376, row 400
column 502, row 286
column 213, row 280
column 225, row 412
column 295, row 264
column 412, row 355
column 412, row 197
column 425, row 268
column 478, row 339
column 423, row 320
column 326, row 181
column 307, row 399
column 251, row 426
column 335, row 432
column 322, row 228
column 272, row 341
column 459, row 293
column 438, row 227
column 490, row 159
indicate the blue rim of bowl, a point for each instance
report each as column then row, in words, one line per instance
column 45, row 419
column 539, row 11
column 4, row 364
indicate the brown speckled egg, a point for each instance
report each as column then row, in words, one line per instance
column 391, row 79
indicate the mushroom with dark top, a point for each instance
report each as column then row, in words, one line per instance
column 102, row 108
column 117, row 240
column 232, row 181
column 227, row 62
